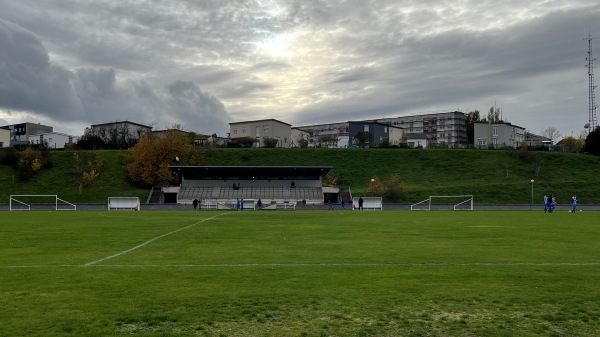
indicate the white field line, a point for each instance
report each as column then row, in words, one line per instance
column 149, row 241
column 315, row 265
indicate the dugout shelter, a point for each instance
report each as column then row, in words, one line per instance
column 221, row 185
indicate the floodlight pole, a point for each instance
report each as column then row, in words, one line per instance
column 531, row 205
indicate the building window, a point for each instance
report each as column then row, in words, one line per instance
column 266, row 129
column 495, row 131
column 235, row 132
column 244, row 131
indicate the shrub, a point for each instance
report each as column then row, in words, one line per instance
column 29, row 164
column 9, row 156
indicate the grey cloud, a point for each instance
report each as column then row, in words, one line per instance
column 359, row 58
column 30, row 82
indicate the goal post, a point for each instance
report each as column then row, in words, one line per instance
column 29, row 202
column 445, row 202
column 123, row 203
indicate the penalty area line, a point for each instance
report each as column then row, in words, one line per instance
column 149, row 241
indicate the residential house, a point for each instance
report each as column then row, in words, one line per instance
column 4, row 137
column 498, row 135
column 378, row 134
column 122, row 133
column 417, row 140
column 257, row 130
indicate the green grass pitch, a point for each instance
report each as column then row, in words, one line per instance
column 299, row 273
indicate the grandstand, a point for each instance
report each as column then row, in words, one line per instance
column 225, row 184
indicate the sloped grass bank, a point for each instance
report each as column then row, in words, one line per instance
column 501, row 177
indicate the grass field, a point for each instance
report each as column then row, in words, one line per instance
column 299, row 273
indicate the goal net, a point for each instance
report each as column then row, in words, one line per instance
column 31, row 202
column 123, row 203
column 445, row 202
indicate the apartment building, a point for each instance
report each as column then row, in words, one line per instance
column 447, row 127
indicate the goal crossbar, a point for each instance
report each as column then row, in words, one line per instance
column 426, row 205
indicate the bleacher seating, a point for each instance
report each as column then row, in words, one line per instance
column 272, row 192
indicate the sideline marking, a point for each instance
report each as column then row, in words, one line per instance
column 295, row 265
column 151, row 240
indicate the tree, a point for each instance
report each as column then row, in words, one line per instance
column 493, row 115
column 86, row 169
column 592, row 142
column 91, row 142
column 571, row 144
column 302, row 142
column 375, row 187
column 241, row 142
column 472, row 117
column 329, row 140
column 270, row 142
column 551, row 133
column 153, row 155
column 29, row 163
column 362, row 138
column 331, row 179
column 393, row 189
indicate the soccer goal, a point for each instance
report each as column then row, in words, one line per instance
column 123, row 203
column 30, row 202
column 445, row 202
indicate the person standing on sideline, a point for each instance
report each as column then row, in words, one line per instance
column 195, row 203
column 360, row 204
column 330, row 205
column 545, row 203
column 552, row 203
column 574, row 203
column 342, row 205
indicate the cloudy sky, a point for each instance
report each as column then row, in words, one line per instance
column 205, row 63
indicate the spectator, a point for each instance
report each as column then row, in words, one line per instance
column 360, row 204
column 195, row 203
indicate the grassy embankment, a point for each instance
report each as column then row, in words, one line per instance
column 491, row 176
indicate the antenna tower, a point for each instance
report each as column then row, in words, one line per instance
column 592, row 96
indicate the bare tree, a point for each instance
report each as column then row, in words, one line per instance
column 552, row 133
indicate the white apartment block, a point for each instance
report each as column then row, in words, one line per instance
column 53, row 140
column 446, row 127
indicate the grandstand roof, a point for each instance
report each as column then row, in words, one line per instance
column 273, row 171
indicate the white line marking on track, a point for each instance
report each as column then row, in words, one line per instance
column 149, row 241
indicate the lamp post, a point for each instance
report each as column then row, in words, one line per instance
column 531, row 194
